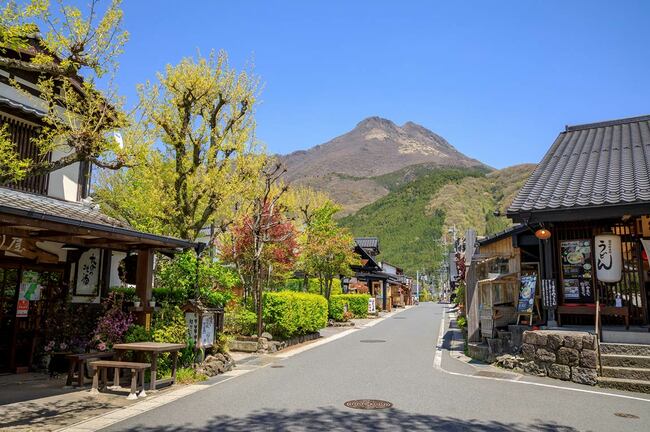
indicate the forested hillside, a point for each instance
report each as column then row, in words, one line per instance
column 408, row 230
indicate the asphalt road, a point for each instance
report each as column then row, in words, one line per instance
column 309, row 392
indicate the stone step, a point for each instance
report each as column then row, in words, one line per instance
column 625, row 384
column 626, row 373
column 628, row 349
column 632, row 361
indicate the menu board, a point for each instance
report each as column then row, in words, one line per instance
column 527, row 293
column 577, row 270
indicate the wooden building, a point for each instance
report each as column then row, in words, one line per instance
column 594, row 180
column 57, row 250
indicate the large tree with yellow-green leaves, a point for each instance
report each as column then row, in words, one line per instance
column 205, row 161
column 67, row 49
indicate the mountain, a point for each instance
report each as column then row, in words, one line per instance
column 353, row 166
column 472, row 202
column 413, row 216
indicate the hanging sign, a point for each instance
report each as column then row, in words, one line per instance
column 609, row 260
column 29, row 290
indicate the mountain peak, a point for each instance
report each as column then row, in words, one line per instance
column 375, row 121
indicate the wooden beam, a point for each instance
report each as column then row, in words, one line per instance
column 144, row 282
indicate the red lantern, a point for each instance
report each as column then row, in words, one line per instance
column 543, row 234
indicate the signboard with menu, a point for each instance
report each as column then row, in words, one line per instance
column 577, row 270
column 527, row 293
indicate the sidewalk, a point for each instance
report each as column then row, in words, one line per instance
column 76, row 411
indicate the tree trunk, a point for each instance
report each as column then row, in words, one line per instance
column 305, row 283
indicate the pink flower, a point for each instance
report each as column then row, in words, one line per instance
column 101, row 346
column 63, row 346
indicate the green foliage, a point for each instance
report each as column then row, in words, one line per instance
column 357, row 305
column 471, row 202
column 313, row 286
column 425, row 295
column 403, row 222
column 187, row 375
column 461, row 322
column 221, row 344
column 460, row 293
column 239, row 321
column 170, row 326
column 289, row 313
column 137, row 333
column 176, row 280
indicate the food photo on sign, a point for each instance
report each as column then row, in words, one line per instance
column 577, row 270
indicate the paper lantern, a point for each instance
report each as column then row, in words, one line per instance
column 543, row 234
column 609, row 259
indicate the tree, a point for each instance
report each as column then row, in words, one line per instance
column 264, row 238
column 66, row 60
column 328, row 250
column 201, row 112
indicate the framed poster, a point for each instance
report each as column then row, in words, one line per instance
column 88, row 271
column 576, row 260
column 527, row 293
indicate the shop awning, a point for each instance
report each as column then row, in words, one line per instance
column 42, row 218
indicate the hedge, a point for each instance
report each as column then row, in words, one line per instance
column 357, row 305
column 288, row 313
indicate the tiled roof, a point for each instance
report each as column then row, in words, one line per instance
column 367, row 242
column 591, row 165
column 47, row 205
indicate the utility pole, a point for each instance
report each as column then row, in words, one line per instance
column 417, row 284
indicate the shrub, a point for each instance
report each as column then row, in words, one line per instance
column 239, row 321
column 288, row 313
column 313, row 286
column 169, row 326
column 357, row 305
column 461, row 322
column 137, row 333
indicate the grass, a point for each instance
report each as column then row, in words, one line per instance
column 188, row 375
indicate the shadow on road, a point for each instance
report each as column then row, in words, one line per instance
column 332, row 419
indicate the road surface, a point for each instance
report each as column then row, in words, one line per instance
column 309, row 391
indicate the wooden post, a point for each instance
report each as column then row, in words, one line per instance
column 174, row 365
column 134, row 385
column 384, row 291
column 144, row 281
column 154, row 367
column 95, row 389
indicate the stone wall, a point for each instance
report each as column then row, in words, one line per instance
column 569, row 356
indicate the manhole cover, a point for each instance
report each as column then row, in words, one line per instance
column 626, row 415
column 373, row 341
column 277, row 366
column 368, row 404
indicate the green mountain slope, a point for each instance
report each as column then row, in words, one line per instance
column 424, row 201
column 402, row 220
column 472, row 202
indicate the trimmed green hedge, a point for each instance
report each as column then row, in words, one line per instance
column 288, row 313
column 357, row 304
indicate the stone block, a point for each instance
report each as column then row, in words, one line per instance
column 267, row 336
column 533, row 368
column 588, row 359
column 553, row 341
column 528, row 351
column 567, row 356
column 582, row 375
column 558, row 371
column 589, row 342
column 544, row 355
column 575, row 342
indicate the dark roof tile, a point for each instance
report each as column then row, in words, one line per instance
column 590, row 165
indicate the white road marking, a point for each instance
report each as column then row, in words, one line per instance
column 437, row 364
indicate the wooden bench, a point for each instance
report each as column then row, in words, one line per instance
column 77, row 363
column 136, row 369
column 589, row 309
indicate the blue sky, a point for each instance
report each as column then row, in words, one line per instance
column 499, row 80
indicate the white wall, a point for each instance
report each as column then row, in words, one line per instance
column 64, row 183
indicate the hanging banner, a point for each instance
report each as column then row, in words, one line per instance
column 609, row 259
column 527, row 293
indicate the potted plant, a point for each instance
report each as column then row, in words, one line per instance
column 136, row 300
column 152, row 302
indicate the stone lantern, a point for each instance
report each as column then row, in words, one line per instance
column 203, row 323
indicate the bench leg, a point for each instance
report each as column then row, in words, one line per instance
column 80, row 365
column 68, row 381
column 134, row 383
column 104, row 378
column 95, row 388
column 142, row 392
column 116, row 378
column 174, row 365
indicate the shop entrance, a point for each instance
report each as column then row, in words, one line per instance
column 8, row 298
